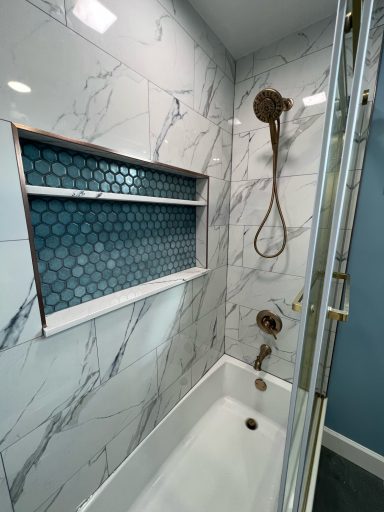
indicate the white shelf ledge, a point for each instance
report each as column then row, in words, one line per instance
column 62, row 320
column 106, row 196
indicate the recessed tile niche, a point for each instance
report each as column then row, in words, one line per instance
column 102, row 224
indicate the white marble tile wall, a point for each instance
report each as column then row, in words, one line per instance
column 297, row 66
column 157, row 85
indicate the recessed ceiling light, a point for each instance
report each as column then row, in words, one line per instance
column 94, row 14
column 19, row 86
column 315, row 99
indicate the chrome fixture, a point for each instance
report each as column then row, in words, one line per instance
column 269, row 322
column 268, row 106
column 265, row 351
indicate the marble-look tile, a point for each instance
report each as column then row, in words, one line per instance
column 298, row 79
column 219, row 199
column 250, row 200
column 209, row 292
column 378, row 13
column 175, row 357
column 230, row 66
column 19, row 314
column 77, row 90
column 125, row 335
column 78, row 488
column 235, row 245
column 244, row 67
column 11, row 204
column 205, row 363
column 217, row 246
column 55, row 8
column 188, row 18
column 244, row 328
column 295, row 46
column 131, row 436
column 149, row 42
column 299, row 44
column 272, row 364
column 293, row 259
column 73, row 435
column 213, row 90
column 39, row 379
column 181, row 137
column 210, row 332
column 232, row 312
column 123, row 444
column 240, row 155
column 169, row 398
column 259, row 290
column 201, row 236
column 226, row 160
column 299, row 149
column 5, row 500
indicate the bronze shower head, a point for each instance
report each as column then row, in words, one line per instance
column 269, row 104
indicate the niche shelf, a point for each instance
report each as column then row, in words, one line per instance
column 105, row 229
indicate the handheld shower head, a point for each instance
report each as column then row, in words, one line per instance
column 269, row 104
column 268, row 107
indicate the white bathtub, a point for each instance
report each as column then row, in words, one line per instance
column 202, row 457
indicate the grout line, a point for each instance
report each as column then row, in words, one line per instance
column 284, row 64
column 6, row 480
column 126, row 65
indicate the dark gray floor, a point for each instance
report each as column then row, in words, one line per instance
column 345, row 487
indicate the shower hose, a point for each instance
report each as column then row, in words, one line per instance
column 274, row 127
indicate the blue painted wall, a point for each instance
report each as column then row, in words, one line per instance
column 356, row 390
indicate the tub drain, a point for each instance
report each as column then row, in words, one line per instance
column 251, row 424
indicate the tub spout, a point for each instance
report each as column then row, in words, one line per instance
column 265, row 351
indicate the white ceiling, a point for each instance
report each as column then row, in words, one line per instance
column 246, row 25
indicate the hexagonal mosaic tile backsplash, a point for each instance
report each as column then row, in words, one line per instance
column 51, row 166
column 87, row 249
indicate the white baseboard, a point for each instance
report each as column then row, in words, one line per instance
column 354, row 452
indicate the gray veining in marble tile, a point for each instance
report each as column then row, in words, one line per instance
column 272, row 364
column 209, row 292
column 292, row 47
column 181, row 137
column 186, row 15
column 292, row 261
column 217, row 246
column 106, row 104
column 75, row 433
column 5, row 500
column 78, row 488
column 127, row 334
column 149, row 42
column 300, row 78
column 250, row 199
column 213, row 90
column 219, row 198
column 55, row 8
column 257, row 289
column 44, row 377
column 19, row 314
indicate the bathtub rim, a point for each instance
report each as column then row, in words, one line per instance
column 224, row 361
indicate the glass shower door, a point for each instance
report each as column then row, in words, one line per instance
column 307, row 402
